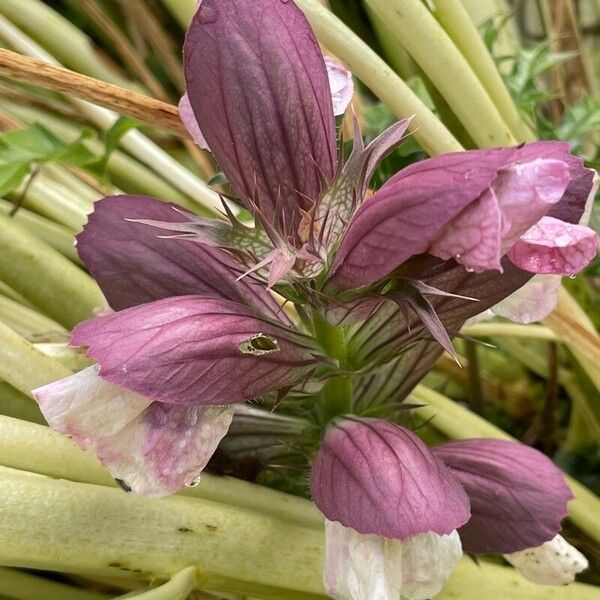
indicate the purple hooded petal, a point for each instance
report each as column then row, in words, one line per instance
column 378, row 478
column 151, row 448
column 471, row 206
column 196, row 351
column 487, row 228
column 133, row 264
column 404, row 217
column 518, row 496
column 555, row 247
column 257, row 83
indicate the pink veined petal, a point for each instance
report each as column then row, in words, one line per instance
column 134, row 265
column 554, row 247
column 341, row 85
column 194, row 350
column 378, row 478
column 518, row 496
column 258, row 86
column 186, row 114
column 152, row 448
column 520, row 195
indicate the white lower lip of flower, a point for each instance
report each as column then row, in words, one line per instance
column 555, row 562
column 370, row 567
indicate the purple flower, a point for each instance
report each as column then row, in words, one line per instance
column 196, row 328
column 391, row 501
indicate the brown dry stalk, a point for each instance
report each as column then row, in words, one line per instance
column 37, row 72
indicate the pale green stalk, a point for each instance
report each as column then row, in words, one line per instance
column 25, row 586
column 52, row 200
column 19, row 406
column 237, row 551
column 177, row 588
column 26, row 321
column 24, row 367
column 512, row 330
column 59, row 37
column 82, row 190
column 457, row 422
column 455, row 20
column 55, row 235
column 429, row 131
column 135, row 177
column 7, row 291
column 73, row 359
column 46, row 278
column 30, row 447
column 578, row 437
column 588, row 409
column 182, row 10
column 431, row 48
column 134, row 141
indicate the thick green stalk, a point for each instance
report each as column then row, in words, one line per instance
column 54, row 201
column 24, row 367
column 18, row 405
column 73, row 359
column 46, row 278
column 26, row 321
column 236, row 551
column 38, row 449
column 512, row 330
column 426, row 41
column 458, row 422
column 429, row 131
column 182, row 10
column 25, row 586
column 177, row 588
column 457, row 23
column 54, row 234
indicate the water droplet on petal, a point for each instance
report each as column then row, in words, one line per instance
column 207, row 14
column 194, row 482
column 572, row 276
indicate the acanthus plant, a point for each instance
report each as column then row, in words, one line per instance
column 336, row 302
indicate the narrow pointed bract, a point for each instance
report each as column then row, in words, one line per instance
column 258, row 86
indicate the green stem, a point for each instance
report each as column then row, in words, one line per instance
column 17, row 405
column 457, row 23
column 31, row 447
column 46, row 278
column 335, row 398
column 511, row 330
column 426, row 41
column 26, row 321
column 43, row 526
column 25, row 586
column 578, row 437
column 24, row 367
column 177, row 588
column 55, row 235
column 458, row 423
column 182, row 10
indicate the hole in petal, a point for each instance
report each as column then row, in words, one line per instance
column 259, row 344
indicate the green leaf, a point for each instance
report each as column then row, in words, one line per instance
column 112, row 137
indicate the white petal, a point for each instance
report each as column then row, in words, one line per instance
column 532, row 302
column 555, row 562
column 428, row 560
column 154, row 448
column 370, row 567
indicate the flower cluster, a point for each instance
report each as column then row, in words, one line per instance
column 343, row 298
